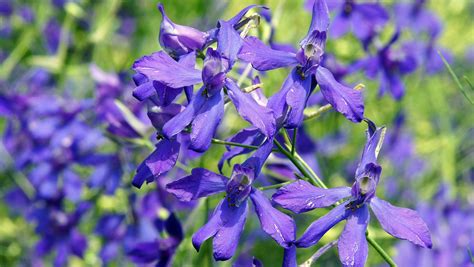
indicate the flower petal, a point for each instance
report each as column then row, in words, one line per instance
column 200, row 183
column 259, row 116
column 319, row 18
column 263, row 57
column 289, row 257
column 225, row 225
column 229, row 41
column 164, row 157
column 352, row 243
column 318, row 228
column 205, row 124
column 248, row 136
column 185, row 117
column 345, row 100
column 161, row 67
column 296, row 99
column 278, row 225
column 301, row 196
column 406, row 225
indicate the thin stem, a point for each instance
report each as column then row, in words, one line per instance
column 319, row 253
column 228, row 143
column 318, row 112
column 293, row 142
column 275, row 186
column 275, row 175
column 298, row 164
column 380, row 250
column 310, row 173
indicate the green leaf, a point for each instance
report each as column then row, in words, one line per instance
column 455, row 78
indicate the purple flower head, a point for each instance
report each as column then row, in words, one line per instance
column 389, row 65
column 289, row 103
column 227, row 222
column 364, row 19
column 58, row 230
column 418, row 18
column 177, row 39
column 214, row 72
column 301, row 196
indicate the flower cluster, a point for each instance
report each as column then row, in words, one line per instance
column 185, row 117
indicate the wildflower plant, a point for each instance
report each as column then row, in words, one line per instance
column 174, row 70
column 217, row 144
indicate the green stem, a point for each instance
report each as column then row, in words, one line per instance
column 380, row 250
column 275, row 186
column 298, row 164
column 293, row 142
column 315, row 114
column 228, row 143
column 23, row 45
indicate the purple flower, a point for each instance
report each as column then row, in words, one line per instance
column 144, row 242
column 389, row 65
column 289, row 103
column 365, row 20
column 58, row 230
column 205, row 110
column 415, row 16
column 352, row 245
column 178, row 40
column 227, row 222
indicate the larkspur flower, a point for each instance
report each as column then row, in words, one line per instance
column 416, row 17
column 227, row 222
column 289, row 103
column 389, row 66
column 208, row 102
column 365, row 20
column 178, row 40
column 301, row 196
column 58, row 230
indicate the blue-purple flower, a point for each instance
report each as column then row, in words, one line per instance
column 289, row 103
column 301, row 196
column 227, row 222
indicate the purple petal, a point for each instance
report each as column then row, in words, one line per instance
column 78, row 243
column 161, row 67
column 340, row 26
column 319, row 19
column 345, row 100
column 227, row 238
column 263, row 57
column 259, row 116
column 301, row 196
column 229, row 41
column 200, row 183
column 296, row 99
column 164, row 157
column 318, row 228
column 249, row 136
column 205, row 124
column 289, row 257
column 406, row 225
column 179, row 39
column 275, row 223
column 352, row 243
column 235, row 19
column 185, row 117
column 144, row 252
column 225, row 225
column 144, row 91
